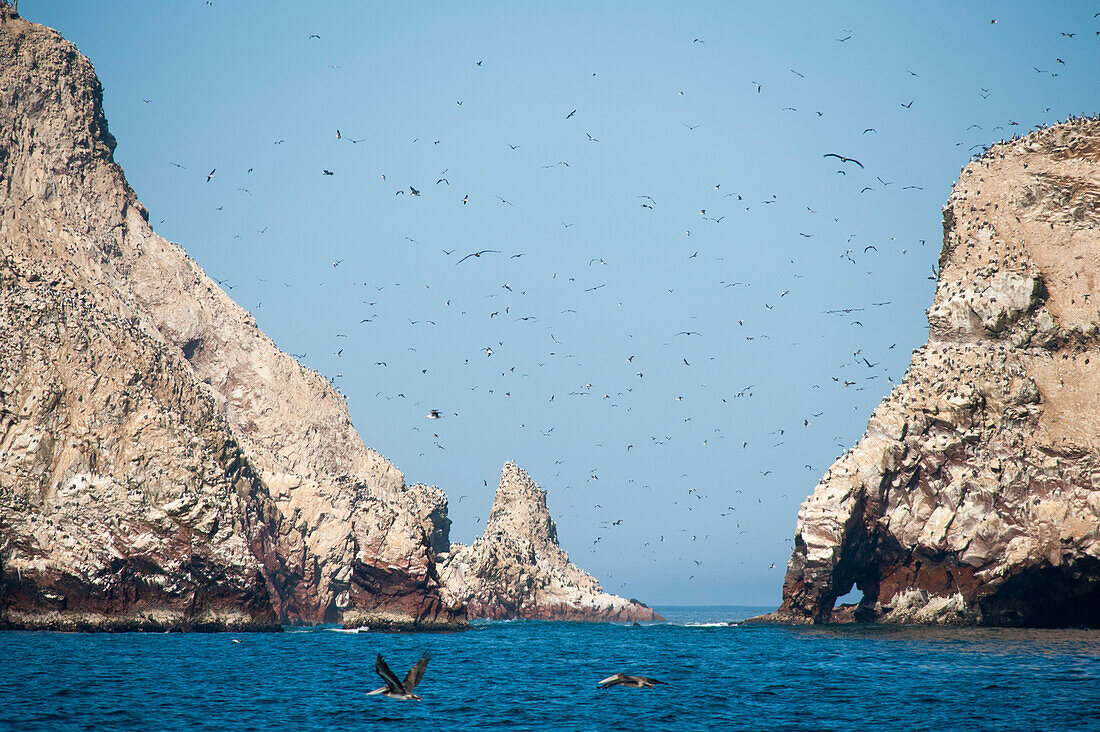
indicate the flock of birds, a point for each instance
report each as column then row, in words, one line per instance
column 506, row 360
column 402, row 689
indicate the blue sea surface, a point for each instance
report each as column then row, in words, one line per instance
column 526, row 675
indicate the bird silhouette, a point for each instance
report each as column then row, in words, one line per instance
column 478, row 254
column 843, row 159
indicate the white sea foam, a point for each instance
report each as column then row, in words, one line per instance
column 723, row 624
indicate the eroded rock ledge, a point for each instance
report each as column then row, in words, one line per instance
column 974, row 496
column 162, row 464
column 517, row 570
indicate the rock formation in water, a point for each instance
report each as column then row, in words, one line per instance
column 162, row 463
column 974, row 496
column 517, row 570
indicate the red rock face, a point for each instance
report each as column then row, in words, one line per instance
column 973, row 497
column 124, row 601
column 378, row 589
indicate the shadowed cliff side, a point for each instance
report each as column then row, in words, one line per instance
column 162, row 462
column 517, row 570
column 973, row 497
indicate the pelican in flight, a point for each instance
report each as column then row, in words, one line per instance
column 630, row 682
column 395, row 689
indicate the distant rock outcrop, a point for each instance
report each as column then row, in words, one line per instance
column 162, row 463
column 517, row 570
column 974, row 496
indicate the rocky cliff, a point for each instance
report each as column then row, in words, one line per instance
column 517, row 570
column 974, row 496
column 162, row 463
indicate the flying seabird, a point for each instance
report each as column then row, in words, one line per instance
column 395, row 689
column 630, row 682
column 843, row 159
column 478, row 254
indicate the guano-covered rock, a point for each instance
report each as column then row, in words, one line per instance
column 162, row 463
column 974, row 496
column 517, row 570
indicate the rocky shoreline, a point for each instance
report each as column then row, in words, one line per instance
column 153, row 621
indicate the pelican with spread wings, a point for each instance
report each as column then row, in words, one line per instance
column 395, row 689
column 630, row 682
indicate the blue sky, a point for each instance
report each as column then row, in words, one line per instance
column 702, row 445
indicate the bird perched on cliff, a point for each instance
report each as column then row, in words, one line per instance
column 630, row 682
column 395, row 689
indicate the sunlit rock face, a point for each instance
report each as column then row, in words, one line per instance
column 974, row 495
column 517, row 570
column 162, row 463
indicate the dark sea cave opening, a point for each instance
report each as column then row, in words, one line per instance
column 1067, row 596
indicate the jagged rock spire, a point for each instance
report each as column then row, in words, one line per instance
column 517, row 570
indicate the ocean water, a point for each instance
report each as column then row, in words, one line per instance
column 524, row 675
